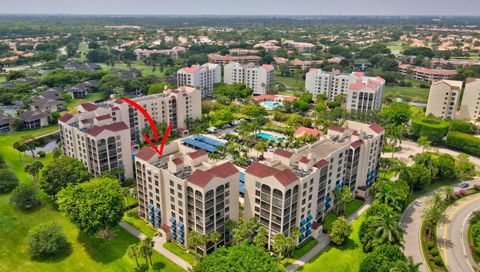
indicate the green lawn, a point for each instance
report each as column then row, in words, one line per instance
column 139, row 224
column 412, row 93
column 139, row 65
column 180, row 252
column 91, row 97
column 290, row 82
column 86, row 254
column 304, row 247
column 395, row 46
column 83, row 49
column 345, row 258
column 350, row 208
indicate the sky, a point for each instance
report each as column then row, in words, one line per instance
column 243, row 7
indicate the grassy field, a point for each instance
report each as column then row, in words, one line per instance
column 290, row 82
column 350, row 208
column 304, row 247
column 180, row 252
column 139, row 224
column 345, row 258
column 83, row 49
column 395, row 46
column 139, row 65
column 85, row 254
column 412, row 93
column 91, row 97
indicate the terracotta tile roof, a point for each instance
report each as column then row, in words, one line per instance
column 112, row 127
column 177, row 161
column 146, row 153
column 376, row 128
column 285, row 177
column 202, row 178
column 356, row 144
column 103, row 117
column 66, row 117
column 197, row 154
column 321, row 164
column 304, row 159
column 337, row 128
column 309, row 131
column 283, row 153
column 89, row 106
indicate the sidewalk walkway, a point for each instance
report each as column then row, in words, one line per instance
column 324, row 240
column 158, row 246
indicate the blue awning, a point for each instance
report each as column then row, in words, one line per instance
column 150, row 206
column 180, row 224
column 173, row 235
column 180, row 232
column 180, row 240
column 172, row 228
column 173, row 220
column 303, row 222
column 158, row 211
column 302, row 229
column 309, row 217
column 242, row 176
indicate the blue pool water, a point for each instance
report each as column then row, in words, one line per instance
column 270, row 105
column 267, row 136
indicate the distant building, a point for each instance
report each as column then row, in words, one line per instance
column 258, row 78
column 470, row 107
column 34, row 119
column 443, row 98
column 202, row 77
column 426, row 74
column 145, row 53
column 301, row 47
column 224, row 60
column 5, row 123
column 363, row 93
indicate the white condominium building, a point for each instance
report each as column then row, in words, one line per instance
column 116, row 125
column 203, row 77
column 443, row 98
column 470, row 107
column 185, row 191
column 366, row 94
column 294, row 189
column 259, row 78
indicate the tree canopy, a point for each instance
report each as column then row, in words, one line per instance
column 62, row 172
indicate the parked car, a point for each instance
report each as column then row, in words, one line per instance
column 463, row 185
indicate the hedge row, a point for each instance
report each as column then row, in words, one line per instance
column 433, row 129
column 462, row 126
column 464, row 142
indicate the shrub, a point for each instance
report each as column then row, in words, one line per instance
column 430, row 244
column 8, row 181
column 433, row 129
column 438, row 260
column 462, row 126
column 434, row 251
column 464, row 142
column 46, row 240
column 24, row 196
column 41, row 154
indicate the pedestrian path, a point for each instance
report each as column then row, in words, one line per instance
column 324, row 240
column 158, row 246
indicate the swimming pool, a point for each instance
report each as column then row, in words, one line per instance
column 270, row 105
column 268, row 136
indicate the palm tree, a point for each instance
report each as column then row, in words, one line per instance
column 20, row 147
column 395, row 134
column 279, row 244
column 436, row 200
column 387, row 229
column 147, row 248
column 448, row 193
column 260, row 147
column 261, row 238
column 132, row 253
column 424, row 142
column 143, row 250
column 28, row 141
column 433, row 215
column 33, row 169
column 405, row 266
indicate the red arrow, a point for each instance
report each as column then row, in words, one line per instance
column 152, row 126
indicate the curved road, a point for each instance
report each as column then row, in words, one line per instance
column 411, row 222
column 452, row 234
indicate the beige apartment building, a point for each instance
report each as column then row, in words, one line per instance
column 443, row 98
column 294, row 188
column 259, row 78
column 202, row 77
column 185, row 191
column 363, row 93
column 116, row 125
column 470, row 107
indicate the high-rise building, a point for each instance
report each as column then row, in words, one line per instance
column 102, row 135
column 443, row 98
column 470, row 107
column 294, row 188
column 259, row 78
column 185, row 191
column 364, row 93
column 202, row 77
